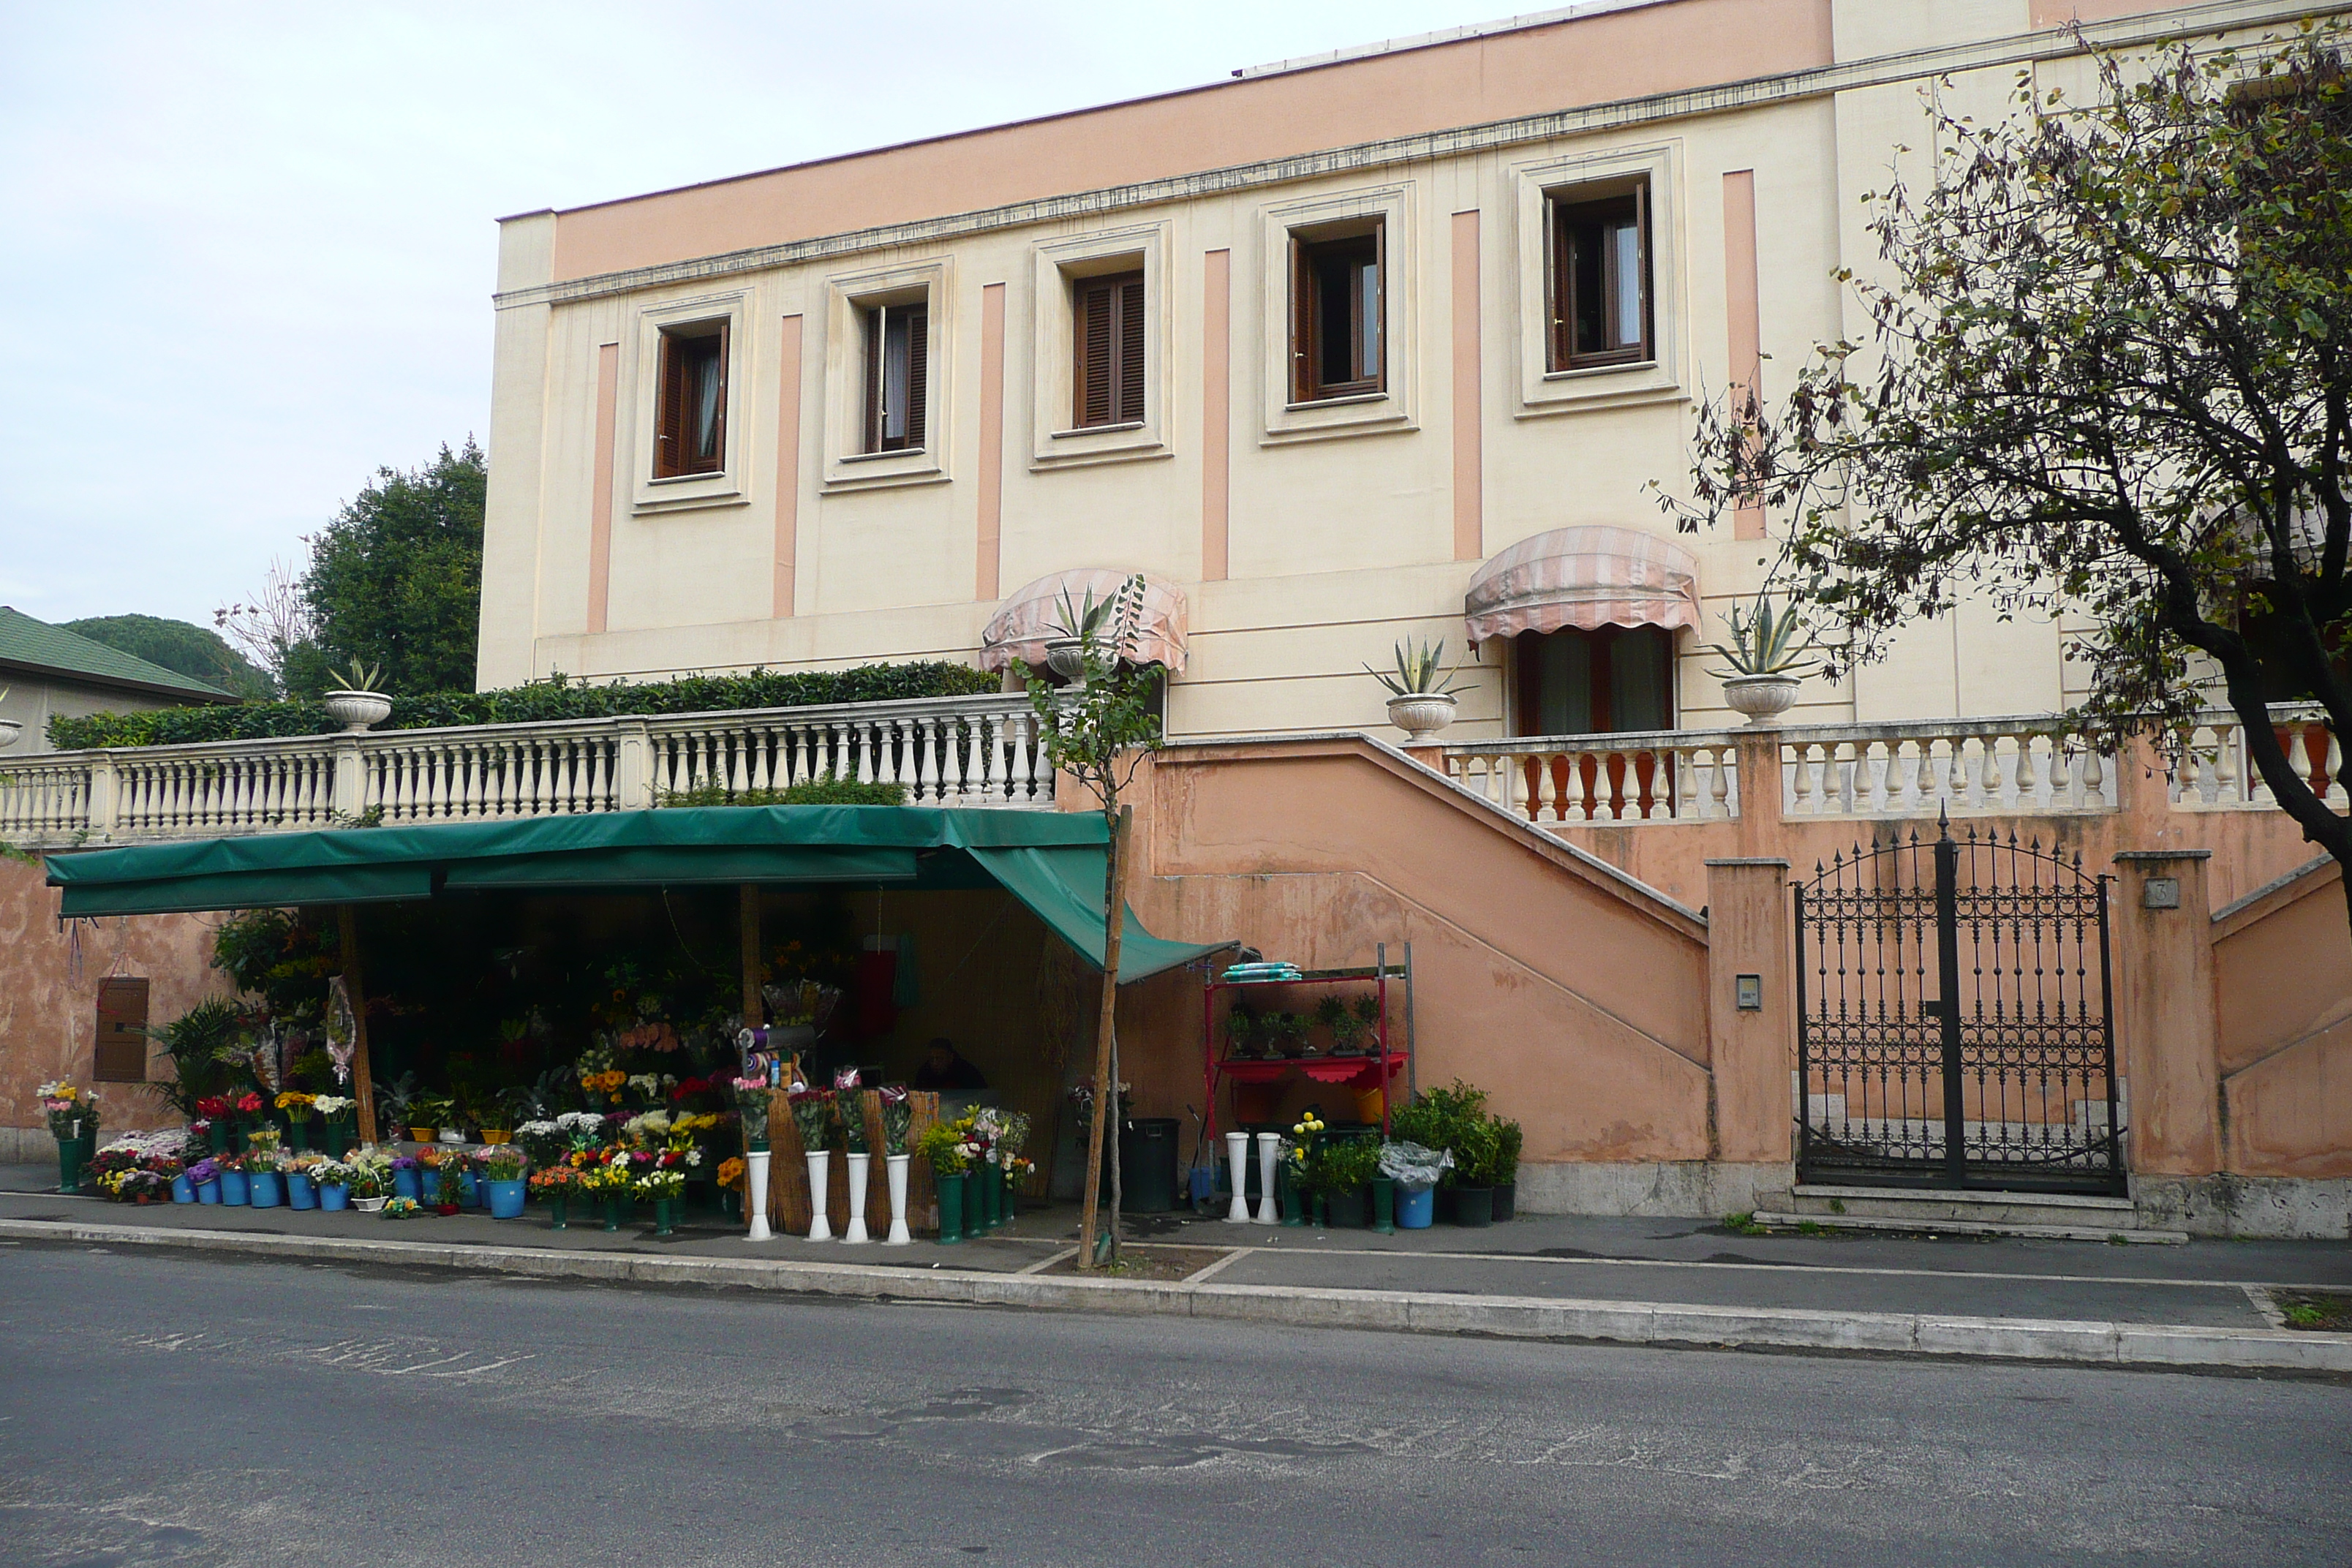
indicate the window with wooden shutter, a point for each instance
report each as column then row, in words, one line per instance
column 1601, row 307
column 897, row 377
column 1338, row 317
column 1109, row 328
column 121, row 1053
column 691, row 415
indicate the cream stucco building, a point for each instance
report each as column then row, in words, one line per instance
column 1376, row 317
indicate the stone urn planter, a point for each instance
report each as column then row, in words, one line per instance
column 1422, row 714
column 1066, row 656
column 355, row 710
column 1763, row 698
column 9, row 730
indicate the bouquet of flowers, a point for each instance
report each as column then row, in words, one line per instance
column 72, row 1111
column 141, row 1186
column 850, row 1106
column 605, row 1086
column 1012, row 1136
column 328, row 1171
column 297, row 1105
column 262, row 1140
column 557, row 1182
column 501, row 1162
column 545, row 1142
column 752, row 1101
column 730, row 1173
column 202, row 1171
column 334, row 1107
column 897, row 1117
column 213, row 1107
column 661, row 1185
column 607, row 1179
column 250, row 1105
column 402, row 1209
column 582, row 1129
column 813, row 1113
column 943, row 1145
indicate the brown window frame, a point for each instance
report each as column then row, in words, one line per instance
column 1595, row 207
column 1368, row 372
column 118, row 1052
column 678, row 401
column 1108, row 324
column 875, row 321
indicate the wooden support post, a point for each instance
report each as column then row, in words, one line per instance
column 748, row 919
column 362, row 1080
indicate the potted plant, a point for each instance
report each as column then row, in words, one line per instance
column 301, row 1193
column 897, row 1119
column 664, row 1189
column 295, row 1106
column 355, row 702
column 1507, row 1141
column 500, row 1166
column 72, row 1114
column 608, row 1183
column 448, row 1188
column 942, row 1144
column 330, row 1182
column 752, row 1103
column 1420, row 694
column 1078, row 626
column 400, row 1208
column 10, row 728
column 1767, row 657
column 427, row 1113
column 1349, row 1167
column 554, row 1186
column 205, row 1176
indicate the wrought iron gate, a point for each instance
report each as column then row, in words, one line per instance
column 1955, row 1019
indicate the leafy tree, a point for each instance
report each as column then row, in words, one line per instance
column 1098, row 730
column 178, row 645
column 395, row 580
column 2108, row 368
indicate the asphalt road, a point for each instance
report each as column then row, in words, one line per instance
column 171, row 1409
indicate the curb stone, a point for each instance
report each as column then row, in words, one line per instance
column 1665, row 1324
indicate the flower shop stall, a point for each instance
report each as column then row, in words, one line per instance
column 664, row 1071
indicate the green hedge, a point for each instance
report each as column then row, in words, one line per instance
column 822, row 790
column 539, row 702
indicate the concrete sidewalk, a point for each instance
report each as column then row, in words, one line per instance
column 1663, row 1282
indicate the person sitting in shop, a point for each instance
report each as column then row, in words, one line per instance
column 944, row 1069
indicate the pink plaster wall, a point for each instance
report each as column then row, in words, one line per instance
column 2283, row 990
column 49, row 1018
column 1600, row 60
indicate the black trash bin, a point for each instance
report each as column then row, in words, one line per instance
column 1147, row 1165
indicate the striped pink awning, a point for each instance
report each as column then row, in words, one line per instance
column 1022, row 627
column 1586, row 577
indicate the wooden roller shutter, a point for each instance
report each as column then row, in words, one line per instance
column 1109, row 328
column 121, row 1053
column 1304, row 374
column 1131, row 351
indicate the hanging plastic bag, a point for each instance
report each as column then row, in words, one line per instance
column 1412, row 1167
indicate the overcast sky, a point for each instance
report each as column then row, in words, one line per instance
column 247, row 251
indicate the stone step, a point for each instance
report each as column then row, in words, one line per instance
column 1967, row 1212
column 1786, row 1221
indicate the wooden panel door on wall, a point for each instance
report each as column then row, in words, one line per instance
column 121, row 1056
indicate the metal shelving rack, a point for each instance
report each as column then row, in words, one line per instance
column 1376, row 1067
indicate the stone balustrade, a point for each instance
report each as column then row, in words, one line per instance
column 961, row 750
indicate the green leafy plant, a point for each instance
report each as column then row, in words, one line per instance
column 1419, row 667
column 1766, row 639
column 942, row 1145
column 360, row 677
column 1346, row 1164
column 557, row 698
column 206, row 1048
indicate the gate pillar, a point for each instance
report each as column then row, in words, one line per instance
column 1751, row 1037
column 2164, row 1012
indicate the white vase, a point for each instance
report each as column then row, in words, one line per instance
column 894, row 1166
column 857, row 1190
column 355, row 710
column 1422, row 714
column 1269, row 1151
column 1763, row 698
column 755, row 1188
column 1237, row 1156
column 820, row 1163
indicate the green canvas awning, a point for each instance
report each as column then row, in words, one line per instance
column 1052, row 861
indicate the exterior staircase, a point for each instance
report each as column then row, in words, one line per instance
column 2049, row 1216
